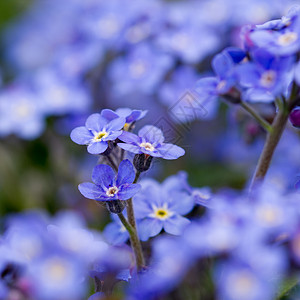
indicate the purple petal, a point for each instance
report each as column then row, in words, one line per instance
column 90, row 190
column 170, row 151
column 222, row 65
column 127, row 191
column 97, row 147
column 126, row 173
column 113, row 135
column 176, row 224
column 129, row 138
column 248, row 74
column 95, row 122
column 114, row 234
column 109, row 114
column 149, row 227
column 103, row 175
column 152, row 134
column 81, row 135
column 130, row 148
column 115, row 124
column 180, row 202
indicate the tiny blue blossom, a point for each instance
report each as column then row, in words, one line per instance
column 130, row 115
column 107, row 186
column 150, row 141
column 97, row 132
column 158, row 208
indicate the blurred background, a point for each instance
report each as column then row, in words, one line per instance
column 63, row 60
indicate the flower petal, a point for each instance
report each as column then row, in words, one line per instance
column 103, row 175
column 91, row 191
column 152, row 134
column 130, row 148
column 126, row 173
column 176, row 224
column 170, row 151
column 130, row 138
column 81, row 135
column 116, row 124
column 95, row 122
column 149, row 227
column 127, row 191
column 97, row 147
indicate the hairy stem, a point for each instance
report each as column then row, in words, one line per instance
column 273, row 138
column 263, row 123
column 135, row 242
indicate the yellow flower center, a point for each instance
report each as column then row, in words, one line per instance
column 161, row 213
column 126, row 126
column 287, row 38
column 112, row 191
column 100, row 135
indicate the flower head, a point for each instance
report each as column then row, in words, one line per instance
column 159, row 208
column 150, row 141
column 97, row 132
column 130, row 115
column 107, row 186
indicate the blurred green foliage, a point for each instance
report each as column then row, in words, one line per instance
column 9, row 9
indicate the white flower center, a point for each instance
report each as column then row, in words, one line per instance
column 112, row 191
column 242, row 284
column 147, row 146
column 221, row 85
column 138, row 68
column 287, row 38
column 268, row 78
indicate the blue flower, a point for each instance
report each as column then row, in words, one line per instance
column 281, row 37
column 150, row 141
column 224, row 67
column 107, row 186
column 265, row 77
column 97, row 132
column 158, row 208
column 130, row 115
column 115, row 232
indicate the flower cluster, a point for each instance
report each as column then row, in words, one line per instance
column 97, row 42
column 43, row 258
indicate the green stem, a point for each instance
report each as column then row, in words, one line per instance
column 256, row 116
column 135, row 242
column 273, row 139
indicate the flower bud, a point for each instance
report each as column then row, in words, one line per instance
column 115, row 206
column 142, row 162
column 295, row 117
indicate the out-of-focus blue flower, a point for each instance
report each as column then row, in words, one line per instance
column 170, row 261
column 21, row 112
column 116, row 264
column 266, row 77
column 144, row 69
column 150, row 141
column 107, row 186
column 223, row 65
column 97, row 132
column 238, row 281
column 57, row 275
column 130, row 115
column 158, row 208
column 186, row 42
column 72, row 235
column 281, row 37
column 115, row 232
column 60, row 96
